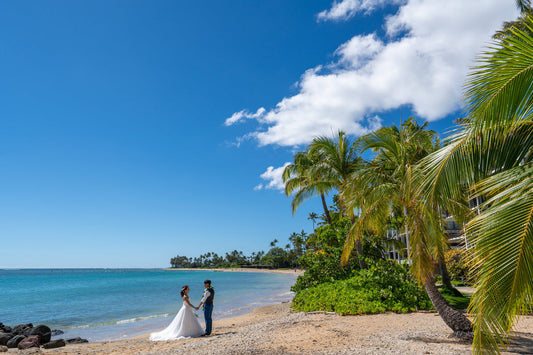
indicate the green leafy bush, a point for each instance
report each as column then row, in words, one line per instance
column 456, row 261
column 323, row 266
column 333, row 235
column 384, row 286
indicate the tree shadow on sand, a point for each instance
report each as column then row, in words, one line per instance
column 427, row 339
column 521, row 343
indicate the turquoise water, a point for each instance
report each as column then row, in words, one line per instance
column 109, row 304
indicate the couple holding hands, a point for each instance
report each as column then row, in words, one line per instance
column 186, row 323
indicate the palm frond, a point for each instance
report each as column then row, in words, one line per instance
column 503, row 257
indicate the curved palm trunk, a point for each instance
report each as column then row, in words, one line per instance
column 325, row 206
column 454, row 319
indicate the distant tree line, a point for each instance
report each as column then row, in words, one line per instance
column 276, row 258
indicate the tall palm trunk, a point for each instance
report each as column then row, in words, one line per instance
column 359, row 248
column 407, row 237
column 325, row 206
column 456, row 320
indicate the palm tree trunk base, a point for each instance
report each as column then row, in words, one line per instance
column 453, row 318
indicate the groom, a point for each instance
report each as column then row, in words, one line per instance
column 207, row 301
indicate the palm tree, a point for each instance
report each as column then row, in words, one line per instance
column 325, row 166
column 313, row 216
column 525, row 8
column 338, row 160
column 524, row 5
column 301, row 179
column 492, row 156
column 383, row 179
column 384, row 187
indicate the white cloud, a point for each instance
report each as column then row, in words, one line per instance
column 274, row 178
column 359, row 51
column 423, row 68
column 244, row 114
column 346, row 9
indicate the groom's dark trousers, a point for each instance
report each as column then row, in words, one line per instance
column 208, row 311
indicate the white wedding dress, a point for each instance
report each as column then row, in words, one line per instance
column 184, row 325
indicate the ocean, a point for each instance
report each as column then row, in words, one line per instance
column 112, row 304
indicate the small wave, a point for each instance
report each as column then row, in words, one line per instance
column 288, row 293
column 241, row 308
column 136, row 319
column 123, row 321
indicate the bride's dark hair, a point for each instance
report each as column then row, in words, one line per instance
column 182, row 292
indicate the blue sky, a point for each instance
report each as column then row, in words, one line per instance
column 133, row 131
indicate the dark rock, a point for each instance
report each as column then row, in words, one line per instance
column 7, row 329
column 14, row 342
column 77, row 340
column 3, row 349
column 32, row 341
column 57, row 332
column 54, row 344
column 43, row 331
column 21, row 328
column 4, row 338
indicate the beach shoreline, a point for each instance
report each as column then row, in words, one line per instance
column 276, row 329
column 272, row 271
column 137, row 301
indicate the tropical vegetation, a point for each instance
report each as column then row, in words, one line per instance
column 275, row 258
column 481, row 175
column 383, row 286
column 490, row 156
column 458, row 266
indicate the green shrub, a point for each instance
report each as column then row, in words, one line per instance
column 323, row 266
column 456, row 261
column 333, row 235
column 384, row 286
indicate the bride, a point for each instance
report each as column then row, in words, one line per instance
column 184, row 325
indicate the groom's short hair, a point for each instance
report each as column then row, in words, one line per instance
column 207, row 282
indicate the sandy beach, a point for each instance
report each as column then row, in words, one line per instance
column 276, row 330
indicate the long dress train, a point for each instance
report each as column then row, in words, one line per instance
column 184, row 325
